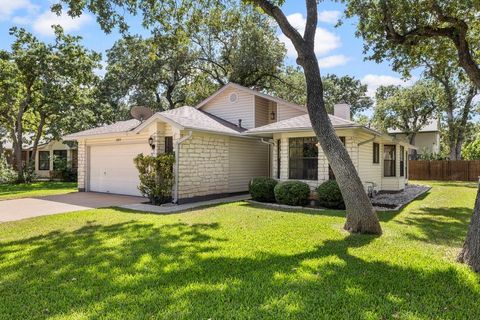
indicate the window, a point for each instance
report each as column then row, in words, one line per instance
column 44, row 160
column 389, row 160
column 303, row 158
column 376, row 153
column 59, row 156
column 168, row 144
column 278, row 157
column 402, row 161
column 331, row 175
column 406, row 164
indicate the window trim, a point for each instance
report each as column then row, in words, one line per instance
column 279, row 157
column 376, row 153
column 394, row 161
column 40, row 160
column 303, row 158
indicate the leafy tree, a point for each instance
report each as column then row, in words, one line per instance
column 41, row 84
column 406, row 109
column 291, row 83
column 361, row 216
column 471, row 151
column 457, row 104
column 404, row 32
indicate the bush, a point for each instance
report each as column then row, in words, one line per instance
column 261, row 189
column 293, row 193
column 156, row 177
column 64, row 170
column 329, row 195
column 7, row 174
column 29, row 174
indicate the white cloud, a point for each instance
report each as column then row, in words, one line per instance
column 325, row 41
column 329, row 16
column 10, row 7
column 333, row 61
column 43, row 23
column 373, row 81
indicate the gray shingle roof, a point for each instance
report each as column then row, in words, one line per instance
column 192, row 118
column 299, row 123
column 431, row 126
column 117, row 127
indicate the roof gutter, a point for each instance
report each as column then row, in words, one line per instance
column 177, row 163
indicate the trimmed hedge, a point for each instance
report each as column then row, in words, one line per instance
column 329, row 195
column 261, row 189
column 293, row 193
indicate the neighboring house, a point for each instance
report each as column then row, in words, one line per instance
column 232, row 136
column 427, row 140
column 45, row 155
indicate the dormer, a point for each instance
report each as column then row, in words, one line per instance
column 247, row 107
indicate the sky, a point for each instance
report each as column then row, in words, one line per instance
column 338, row 50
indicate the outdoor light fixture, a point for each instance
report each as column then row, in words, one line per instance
column 272, row 115
column 151, row 143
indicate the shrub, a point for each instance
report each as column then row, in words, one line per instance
column 261, row 189
column 156, row 177
column 7, row 174
column 329, row 195
column 64, row 170
column 29, row 174
column 293, row 193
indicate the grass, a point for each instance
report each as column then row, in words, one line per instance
column 238, row 261
column 36, row 189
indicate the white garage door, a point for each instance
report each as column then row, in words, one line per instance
column 112, row 169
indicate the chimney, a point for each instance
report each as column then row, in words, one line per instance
column 342, row 110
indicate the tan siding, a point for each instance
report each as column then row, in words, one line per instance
column 261, row 111
column 287, row 112
column 248, row 158
column 367, row 170
column 243, row 108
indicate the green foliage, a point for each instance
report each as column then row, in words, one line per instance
column 7, row 174
column 64, row 170
column 471, row 151
column 156, row 177
column 262, row 189
column 329, row 195
column 406, row 109
column 291, row 87
column 29, row 174
column 293, row 193
column 427, row 155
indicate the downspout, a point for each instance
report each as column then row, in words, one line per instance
column 269, row 143
column 177, row 163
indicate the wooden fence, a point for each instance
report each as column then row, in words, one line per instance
column 460, row 170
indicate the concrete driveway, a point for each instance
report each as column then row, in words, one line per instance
column 17, row 209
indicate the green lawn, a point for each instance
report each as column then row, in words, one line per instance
column 238, row 261
column 36, row 189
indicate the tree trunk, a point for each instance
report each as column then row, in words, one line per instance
column 38, row 135
column 18, row 146
column 360, row 214
column 470, row 253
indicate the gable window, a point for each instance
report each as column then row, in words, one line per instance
column 303, row 158
column 168, row 144
column 59, row 156
column 331, row 175
column 376, row 153
column 278, row 157
column 402, row 161
column 44, row 160
column 389, row 152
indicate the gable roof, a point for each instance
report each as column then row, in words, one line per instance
column 431, row 126
column 117, row 127
column 301, row 123
column 251, row 91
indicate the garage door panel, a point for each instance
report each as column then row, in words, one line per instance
column 112, row 169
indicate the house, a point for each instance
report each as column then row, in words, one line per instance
column 44, row 158
column 230, row 137
column 427, row 140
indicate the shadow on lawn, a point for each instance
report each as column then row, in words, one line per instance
column 140, row 270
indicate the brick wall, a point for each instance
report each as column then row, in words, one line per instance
column 82, row 165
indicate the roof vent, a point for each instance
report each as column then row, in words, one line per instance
column 239, row 123
column 233, row 97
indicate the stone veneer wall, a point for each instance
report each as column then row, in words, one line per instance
column 82, row 165
column 203, row 166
